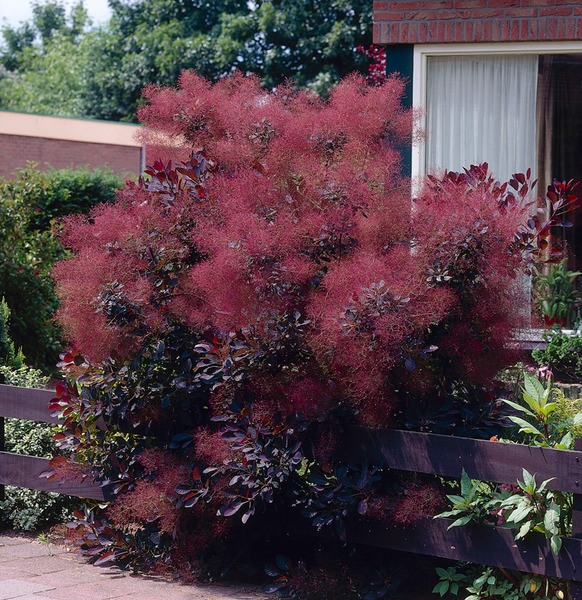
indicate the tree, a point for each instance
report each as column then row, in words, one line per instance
column 101, row 73
column 44, row 60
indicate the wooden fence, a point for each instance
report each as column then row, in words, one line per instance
column 400, row 450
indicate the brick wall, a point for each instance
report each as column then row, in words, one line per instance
column 16, row 150
column 437, row 21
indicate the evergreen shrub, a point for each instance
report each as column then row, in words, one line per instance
column 29, row 249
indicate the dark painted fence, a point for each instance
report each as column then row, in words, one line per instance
column 24, row 471
column 401, row 450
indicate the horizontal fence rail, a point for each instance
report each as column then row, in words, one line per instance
column 25, row 471
column 447, row 455
column 428, row 453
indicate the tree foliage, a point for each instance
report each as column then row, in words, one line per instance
column 53, row 64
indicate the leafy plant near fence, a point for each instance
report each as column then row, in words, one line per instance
column 242, row 303
column 29, row 249
column 526, row 506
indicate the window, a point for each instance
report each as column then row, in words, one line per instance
column 514, row 106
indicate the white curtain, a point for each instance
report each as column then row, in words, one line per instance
column 482, row 109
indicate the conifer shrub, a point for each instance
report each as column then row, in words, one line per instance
column 266, row 283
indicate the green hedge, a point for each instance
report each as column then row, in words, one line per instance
column 29, row 248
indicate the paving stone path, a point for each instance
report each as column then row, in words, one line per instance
column 30, row 570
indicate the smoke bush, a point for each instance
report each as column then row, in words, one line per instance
column 268, row 280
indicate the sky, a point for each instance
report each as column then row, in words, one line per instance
column 12, row 12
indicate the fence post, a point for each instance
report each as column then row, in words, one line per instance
column 575, row 586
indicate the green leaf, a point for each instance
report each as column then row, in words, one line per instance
column 462, row 521
column 442, row 587
column 533, row 388
column 552, row 519
column 466, row 484
column 525, row 426
column 524, row 530
column 520, row 408
column 519, row 514
column 556, row 544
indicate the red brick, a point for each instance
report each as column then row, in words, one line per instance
column 436, row 4
column 403, row 38
column 533, row 29
column 376, row 33
column 565, row 3
column 552, row 29
column 562, row 29
column 460, row 31
column 440, row 32
column 394, row 33
column 577, row 11
column 490, row 13
column 385, row 33
column 521, row 13
column 422, row 15
column 404, row 5
column 450, row 32
column 523, row 30
column 380, row 6
column 514, row 31
column 468, row 4
column 388, row 16
column 432, row 32
column 413, row 33
column 556, row 12
column 495, row 31
column 570, row 29
column 422, row 33
column 454, row 14
column 579, row 29
column 502, row 3
column 468, row 31
column 487, row 31
column 537, row 2
column 505, row 30
column 477, row 31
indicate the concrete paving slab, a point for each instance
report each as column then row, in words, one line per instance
column 23, row 550
column 28, row 572
column 40, row 565
column 16, row 588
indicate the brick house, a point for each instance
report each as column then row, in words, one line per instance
column 499, row 81
column 60, row 142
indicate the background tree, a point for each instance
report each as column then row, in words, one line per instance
column 100, row 73
column 42, row 62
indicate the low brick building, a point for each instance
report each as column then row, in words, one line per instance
column 60, row 142
column 498, row 81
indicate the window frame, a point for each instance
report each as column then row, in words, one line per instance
column 422, row 52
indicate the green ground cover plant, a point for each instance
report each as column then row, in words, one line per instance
column 265, row 284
